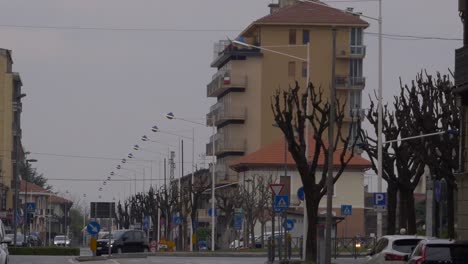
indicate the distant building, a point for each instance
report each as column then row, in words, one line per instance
column 246, row 78
column 11, row 151
column 49, row 207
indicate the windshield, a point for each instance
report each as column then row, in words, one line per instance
column 59, row 238
column 405, row 245
column 114, row 235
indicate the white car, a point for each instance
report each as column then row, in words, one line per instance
column 61, row 241
column 4, row 254
column 393, row 249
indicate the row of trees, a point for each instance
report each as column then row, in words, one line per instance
column 426, row 106
column 254, row 197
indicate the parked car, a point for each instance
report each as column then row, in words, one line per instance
column 20, row 241
column 123, row 241
column 61, row 240
column 34, row 240
column 430, row 251
column 393, row 249
column 4, row 254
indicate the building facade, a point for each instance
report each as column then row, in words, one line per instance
column 246, row 77
column 11, row 151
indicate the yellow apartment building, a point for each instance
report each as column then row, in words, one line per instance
column 246, row 78
column 11, row 149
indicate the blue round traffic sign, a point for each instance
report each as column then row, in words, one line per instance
column 288, row 224
column 93, row 228
column 300, row 193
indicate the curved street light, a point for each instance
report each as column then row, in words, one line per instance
column 171, row 116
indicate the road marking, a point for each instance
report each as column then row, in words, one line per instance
column 71, row 260
column 114, row 261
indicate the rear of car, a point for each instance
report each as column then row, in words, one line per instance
column 393, row 249
column 439, row 251
column 123, row 241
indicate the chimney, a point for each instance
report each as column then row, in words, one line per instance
column 284, row 3
column 273, row 8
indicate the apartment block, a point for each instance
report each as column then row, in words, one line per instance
column 247, row 77
column 11, row 151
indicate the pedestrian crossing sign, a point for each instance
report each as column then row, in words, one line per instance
column 281, row 201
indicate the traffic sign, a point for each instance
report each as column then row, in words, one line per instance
column 288, row 224
column 146, row 222
column 300, row 193
column 281, row 201
column 210, row 212
column 177, row 220
column 437, row 190
column 238, row 217
column 30, row 207
column 346, row 209
column 93, row 228
column 380, row 201
column 276, row 188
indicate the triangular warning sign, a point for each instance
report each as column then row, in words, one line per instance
column 276, row 188
column 282, row 203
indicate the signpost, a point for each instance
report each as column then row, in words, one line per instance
column 275, row 190
column 346, row 209
column 437, row 190
column 300, row 193
column 380, row 201
column 93, row 228
column 30, row 207
column 281, row 202
column 288, row 224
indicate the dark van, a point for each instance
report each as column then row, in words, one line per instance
column 123, row 241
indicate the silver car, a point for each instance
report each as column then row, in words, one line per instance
column 393, row 249
column 61, row 241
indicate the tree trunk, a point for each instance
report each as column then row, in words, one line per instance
column 402, row 210
column 391, row 208
column 450, row 208
column 263, row 233
column 252, row 234
column 312, row 203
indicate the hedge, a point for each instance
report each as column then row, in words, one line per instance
column 45, row 251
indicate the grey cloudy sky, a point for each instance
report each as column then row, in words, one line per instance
column 96, row 92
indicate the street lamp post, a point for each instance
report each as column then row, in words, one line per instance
column 26, row 213
column 171, row 116
column 156, row 129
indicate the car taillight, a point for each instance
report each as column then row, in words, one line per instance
column 419, row 260
column 393, row 257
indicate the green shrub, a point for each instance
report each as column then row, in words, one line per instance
column 45, row 251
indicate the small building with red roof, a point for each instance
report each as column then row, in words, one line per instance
column 275, row 161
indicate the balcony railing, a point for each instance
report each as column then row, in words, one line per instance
column 224, row 82
column 350, row 82
column 353, row 51
column 224, row 50
column 224, row 143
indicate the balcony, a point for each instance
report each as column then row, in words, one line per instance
column 351, row 52
column 225, row 51
column 346, row 82
column 225, row 144
column 224, row 81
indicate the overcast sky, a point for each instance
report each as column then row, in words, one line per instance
column 93, row 92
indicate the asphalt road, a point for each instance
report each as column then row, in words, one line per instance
column 156, row 260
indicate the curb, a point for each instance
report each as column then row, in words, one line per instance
column 119, row 256
column 207, row 255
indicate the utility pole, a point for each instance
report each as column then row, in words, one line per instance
column 330, row 157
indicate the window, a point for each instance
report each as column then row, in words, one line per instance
column 304, row 69
column 292, row 37
column 356, row 36
column 355, row 101
column 292, row 69
column 355, row 68
column 305, row 36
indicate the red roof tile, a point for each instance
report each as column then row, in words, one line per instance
column 273, row 155
column 34, row 188
column 311, row 13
